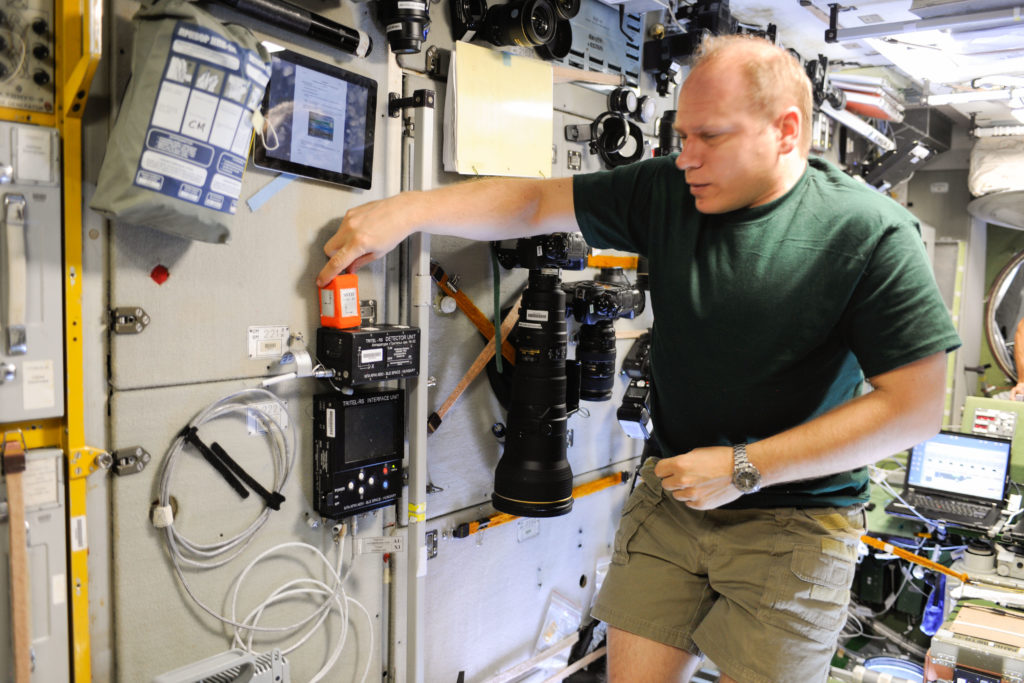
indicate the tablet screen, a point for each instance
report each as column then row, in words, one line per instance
column 319, row 121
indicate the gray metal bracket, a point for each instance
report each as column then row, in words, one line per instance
column 419, row 98
column 130, row 460
column 129, row 320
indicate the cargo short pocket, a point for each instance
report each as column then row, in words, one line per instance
column 639, row 506
column 808, row 594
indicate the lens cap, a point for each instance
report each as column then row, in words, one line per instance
column 558, row 47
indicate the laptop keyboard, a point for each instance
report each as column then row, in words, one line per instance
column 947, row 506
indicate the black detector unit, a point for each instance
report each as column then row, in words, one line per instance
column 358, row 444
column 370, row 353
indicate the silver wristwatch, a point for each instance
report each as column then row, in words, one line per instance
column 745, row 476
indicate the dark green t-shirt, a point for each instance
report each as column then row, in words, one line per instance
column 767, row 317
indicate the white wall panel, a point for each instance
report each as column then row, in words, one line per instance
column 488, row 594
column 158, row 627
column 264, row 276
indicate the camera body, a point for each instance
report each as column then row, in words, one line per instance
column 565, row 250
column 634, row 413
column 593, row 301
column 595, row 304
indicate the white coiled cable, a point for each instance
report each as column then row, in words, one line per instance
column 186, row 553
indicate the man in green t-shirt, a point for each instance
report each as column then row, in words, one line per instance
column 777, row 284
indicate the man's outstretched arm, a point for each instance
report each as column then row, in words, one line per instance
column 490, row 209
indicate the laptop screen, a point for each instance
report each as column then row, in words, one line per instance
column 961, row 464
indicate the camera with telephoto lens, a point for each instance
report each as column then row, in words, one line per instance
column 634, row 413
column 533, row 477
column 595, row 304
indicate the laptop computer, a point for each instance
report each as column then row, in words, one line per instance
column 956, row 478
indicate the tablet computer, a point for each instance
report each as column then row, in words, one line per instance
column 319, row 121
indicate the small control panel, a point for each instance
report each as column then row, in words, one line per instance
column 994, row 422
column 358, row 446
column 367, row 488
column 27, row 77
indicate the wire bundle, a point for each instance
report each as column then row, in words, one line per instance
column 187, row 553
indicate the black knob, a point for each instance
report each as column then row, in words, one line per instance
column 41, row 77
column 41, row 51
column 3, row 44
column 40, row 27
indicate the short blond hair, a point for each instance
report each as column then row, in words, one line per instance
column 776, row 78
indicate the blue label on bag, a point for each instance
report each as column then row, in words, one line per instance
column 198, row 137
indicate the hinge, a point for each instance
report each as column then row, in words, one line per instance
column 86, row 460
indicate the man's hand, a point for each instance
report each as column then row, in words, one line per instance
column 1017, row 393
column 701, row 478
column 367, row 232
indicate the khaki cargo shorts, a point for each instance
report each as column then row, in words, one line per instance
column 762, row 593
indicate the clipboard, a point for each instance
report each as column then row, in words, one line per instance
column 499, row 114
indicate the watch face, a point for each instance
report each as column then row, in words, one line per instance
column 746, row 480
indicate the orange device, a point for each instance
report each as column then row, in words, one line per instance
column 339, row 302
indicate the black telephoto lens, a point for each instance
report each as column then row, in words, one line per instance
column 596, row 354
column 405, row 23
column 527, row 23
column 533, row 477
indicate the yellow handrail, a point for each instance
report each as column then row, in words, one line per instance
column 79, row 47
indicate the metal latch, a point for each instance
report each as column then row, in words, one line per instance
column 130, row 460
column 129, row 320
column 419, row 98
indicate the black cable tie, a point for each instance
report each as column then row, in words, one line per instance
column 274, row 499
column 191, row 435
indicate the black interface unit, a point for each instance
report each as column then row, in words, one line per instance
column 371, row 353
column 358, row 444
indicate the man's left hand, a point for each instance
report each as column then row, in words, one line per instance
column 701, row 478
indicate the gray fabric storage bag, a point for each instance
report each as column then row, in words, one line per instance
column 175, row 157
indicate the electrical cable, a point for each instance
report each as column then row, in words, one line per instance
column 622, row 20
column 265, row 128
column 186, row 553
column 930, row 523
column 1012, row 519
column 335, row 593
column 673, row 19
